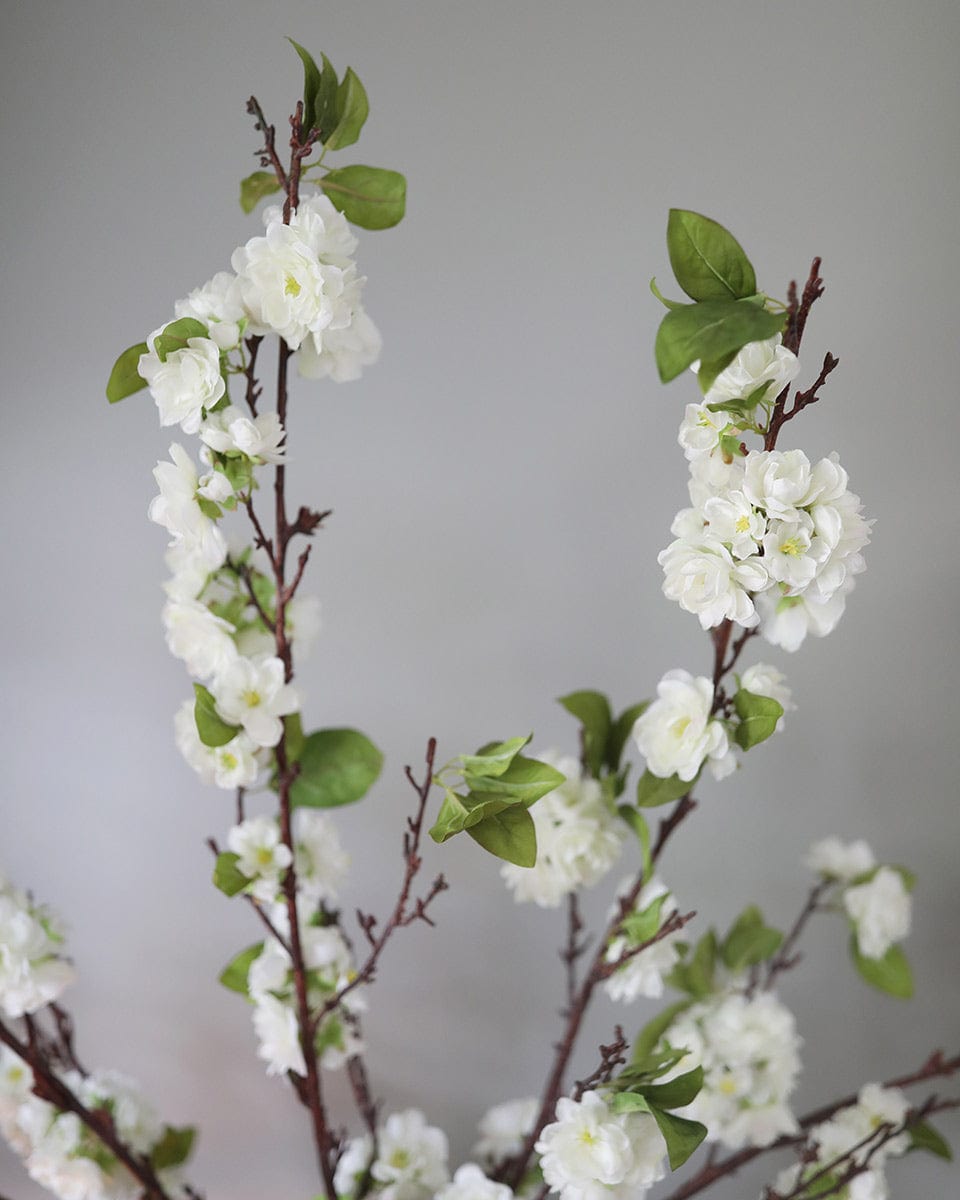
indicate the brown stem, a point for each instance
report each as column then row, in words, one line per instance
column 574, row 948
column 250, row 371
column 255, row 904
column 785, row 958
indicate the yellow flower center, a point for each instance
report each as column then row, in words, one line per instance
column 679, row 727
column 251, row 698
column 292, row 287
column 742, row 525
column 400, row 1159
column 792, row 547
column 228, row 760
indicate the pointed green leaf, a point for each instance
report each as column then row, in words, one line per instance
column 621, row 731
column 173, row 1148
column 494, row 758
column 255, row 187
column 352, row 111
column 649, row 1037
column 370, row 197
column 592, row 710
column 176, row 335
column 709, row 330
column 640, row 927
column 923, row 1136
column 750, row 941
column 890, row 974
column 337, row 766
column 662, row 298
column 653, row 791
column 212, row 729
column 311, row 86
column 638, row 824
column 293, row 738
column 525, row 779
column 124, row 378
column 227, row 876
column 628, row 1102
column 510, row 835
column 707, row 372
column 696, row 975
column 681, row 1135
column 758, row 718
column 676, row 1092
column 234, row 974
column 458, row 813
column 707, row 260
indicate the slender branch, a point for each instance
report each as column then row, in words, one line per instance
column 268, row 153
column 250, row 371
column 785, row 958
column 573, row 948
column 256, row 905
column 48, row 1086
column 611, row 1057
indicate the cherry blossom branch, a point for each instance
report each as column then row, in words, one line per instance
column 250, row 371
column 268, row 153
column 574, row 948
column 49, row 1087
column 786, row 958
column 611, row 1057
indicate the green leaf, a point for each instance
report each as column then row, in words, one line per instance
column 458, row 813
column 622, row 728
column 209, row 508
column 124, row 378
column 890, row 974
column 750, row 941
column 352, row 110
column 707, row 372
column 239, row 471
column 641, row 926
column 652, row 790
column 234, row 975
column 708, row 331
column 311, row 86
column 662, row 298
column 650, row 1035
column 708, row 261
column 294, row 741
column 337, row 766
column 923, row 1136
column 695, row 976
column 255, row 187
column 681, row 1135
column 592, row 710
column 628, row 1102
column 510, row 835
column 370, row 197
column 176, row 335
column 212, row 729
column 758, row 718
column 493, row 759
column 227, row 876
column 638, row 824
column 677, row 1092
column 173, row 1148
column 525, row 780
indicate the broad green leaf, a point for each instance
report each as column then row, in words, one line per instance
column 212, row 729
column 923, row 1136
column 592, row 710
column 649, row 1036
column 352, row 110
column 227, row 876
column 890, row 974
column 255, row 187
column 370, row 197
column 750, row 941
column 758, row 718
column 510, row 835
column 176, row 335
column 681, row 1135
column 239, row 471
column 709, row 330
column 653, row 791
column 695, row 975
column 525, row 779
column 209, row 508
column 458, row 813
column 677, row 1092
column 628, row 1102
column 622, row 728
column 234, row 975
column 293, row 738
column 124, row 378
column 638, row 824
column 707, row 260
column 337, row 766
column 494, row 758
column 662, row 298
column 173, row 1148
column 640, row 927
column 707, row 372
column 311, row 86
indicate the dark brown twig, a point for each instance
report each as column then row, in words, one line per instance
column 786, row 958
column 611, row 1057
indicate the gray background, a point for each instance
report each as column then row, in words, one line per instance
column 502, row 483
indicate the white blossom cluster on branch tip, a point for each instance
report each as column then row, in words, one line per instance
column 410, row 1162
column 771, row 539
column 33, row 970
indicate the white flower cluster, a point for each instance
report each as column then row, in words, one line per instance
column 591, row 1153
column 770, row 538
column 877, row 1108
column 503, row 1129
column 32, row 971
column 579, row 838
column 642, row 974
column 410, row 1164
column 319, row 859
column 876, row 898
column 749, row 1051
column 271, row 988
column 59, row 1152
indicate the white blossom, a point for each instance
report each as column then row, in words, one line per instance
column 701, row 429
column 321, row 862
column 198, row 546
column 749, row 1051
column 278, row 1036
column 704, row 579
column 32, row 972
column 713, row 475
column 341, row 354
column 321, row 226
column 779, row 482
column 880, row 910
column 785, row 621
column 217, row 303
column 251, row 692
column 185, row 383
column 262, row 856
column 579, row 838
column 231, row 431
column 676, row 733
column 840, row 860
column 230, row 766
column 764, row 680
column 732, row 520
column 791, row 552
column 352, row 1164
column 203, row 641
column 503, row 1128
column 470, row 1183
column 642, row 975
column 755, row 364
column 411, row 1162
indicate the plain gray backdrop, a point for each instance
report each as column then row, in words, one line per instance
column 501, row 483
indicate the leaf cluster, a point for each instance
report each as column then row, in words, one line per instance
column 636, row 1089
column 749, row 942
